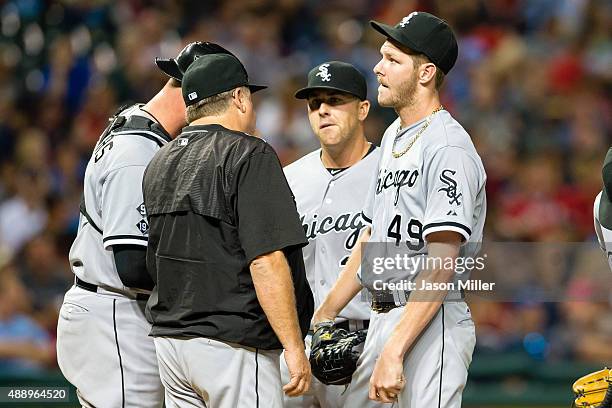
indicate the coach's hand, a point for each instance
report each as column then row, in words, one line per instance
column 299, row 372
column 387, row 380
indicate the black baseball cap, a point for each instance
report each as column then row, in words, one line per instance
column 605, row 204
column 426, row 34
column 336, row 76
column 213, row 74
column 176, row 67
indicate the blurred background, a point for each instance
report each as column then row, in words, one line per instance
column 531, row 85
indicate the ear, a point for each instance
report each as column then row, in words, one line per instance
column 427, row 73
column 364, row 109
column 236, row 99
column 240, row 99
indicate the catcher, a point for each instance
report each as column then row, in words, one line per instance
column 102, row 332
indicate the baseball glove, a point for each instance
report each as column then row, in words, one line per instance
column 594, row 390
column 334, row 353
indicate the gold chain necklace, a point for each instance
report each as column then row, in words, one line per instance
column 397, row 155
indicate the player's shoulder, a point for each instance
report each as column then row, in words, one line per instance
column 129, row 148
column 373, row 155
column 450, row 136
column 133, row 140
column 304, row 163
column 301, row 174
column 450, row 132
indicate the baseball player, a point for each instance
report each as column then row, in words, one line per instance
column 329, row 186
column 103, row 347
column 602, row 210
column 428, row 201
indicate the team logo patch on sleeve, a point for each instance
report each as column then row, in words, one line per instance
column 142, row 210
column 450, row 188
column 143, row 226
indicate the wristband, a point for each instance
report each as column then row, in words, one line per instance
column 324, row 323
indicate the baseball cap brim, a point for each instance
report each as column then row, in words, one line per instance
column 304, row 92
column 170, row 67
column 393, row 33
column 255, row 88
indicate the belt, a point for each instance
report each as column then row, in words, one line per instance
column 94, row 288
column 383, row 307
column 383, row 302
column 352, row 325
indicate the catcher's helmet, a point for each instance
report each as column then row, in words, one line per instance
column 176, row 67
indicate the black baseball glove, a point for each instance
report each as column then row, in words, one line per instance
column 334, row 353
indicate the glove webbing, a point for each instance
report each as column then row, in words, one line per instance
column 607, row 402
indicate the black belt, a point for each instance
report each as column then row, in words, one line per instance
column 383, row 307
column 94, row 288
column 383, row 302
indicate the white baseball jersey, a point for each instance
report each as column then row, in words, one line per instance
column 438, row 185
column 330, row 209
column 114, row 203
column 604, row 235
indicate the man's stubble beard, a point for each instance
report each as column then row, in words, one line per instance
column 405, row 95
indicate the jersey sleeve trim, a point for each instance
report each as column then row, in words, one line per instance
column 124, row 240
column 125, row 237
column 276, row 246
column 447, row 226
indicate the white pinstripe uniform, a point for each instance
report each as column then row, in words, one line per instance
column 103, row 346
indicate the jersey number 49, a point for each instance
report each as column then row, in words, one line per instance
column 414, row 230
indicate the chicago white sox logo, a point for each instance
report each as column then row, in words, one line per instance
column 451, row 187
column 406, row 19
column 324, row 73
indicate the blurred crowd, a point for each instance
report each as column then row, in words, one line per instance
column 531, row 86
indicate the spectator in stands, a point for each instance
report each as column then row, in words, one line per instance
column 46, row 277
column 25, row 347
